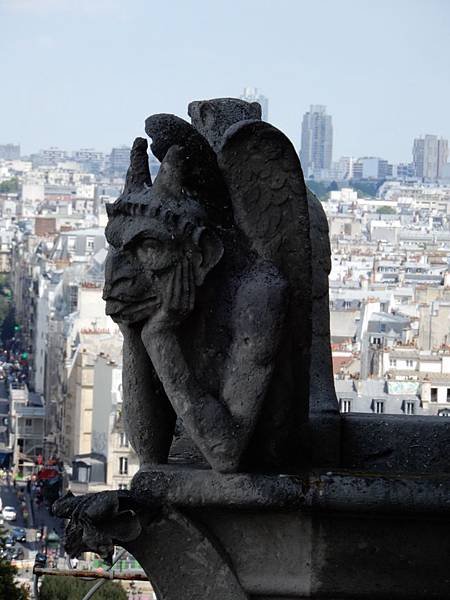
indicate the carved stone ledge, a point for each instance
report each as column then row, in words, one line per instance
column 318, row 535
column 242, row 536
column 315, row 491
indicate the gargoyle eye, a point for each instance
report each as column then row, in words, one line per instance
column 149, row 244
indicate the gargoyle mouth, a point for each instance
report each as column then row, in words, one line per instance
column 129, row 311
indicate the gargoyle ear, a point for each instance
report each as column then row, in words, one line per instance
column 207, row 114
column 210, row 252
column 202, row 112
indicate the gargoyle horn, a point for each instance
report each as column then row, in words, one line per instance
column 138, row 174
column 198, row 172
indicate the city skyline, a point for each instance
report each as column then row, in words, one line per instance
column 74, row 81
column 438, row 167
column 409, row 158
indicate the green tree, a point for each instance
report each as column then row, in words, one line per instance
column 6, row 308
column 386, row 210
column 7, row 323
column 8, row 587
column 367, row 187
column 333, row 187
column 10, row 186
column 73, row 588
column 319, row 188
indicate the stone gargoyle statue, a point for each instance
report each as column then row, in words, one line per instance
column 209, row 278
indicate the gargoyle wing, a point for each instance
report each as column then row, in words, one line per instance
column 269, row 199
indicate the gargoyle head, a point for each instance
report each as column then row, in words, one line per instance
column 213, row 117
column 152, row 230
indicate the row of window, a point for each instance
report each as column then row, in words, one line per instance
column 123, row 460
column 377, row 406
column 434, row 394
column 71, row 243
column 393, row 362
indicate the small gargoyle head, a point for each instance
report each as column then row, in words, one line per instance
column 97, row 522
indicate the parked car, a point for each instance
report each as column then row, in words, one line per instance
column 19, row 534
column 9, row 513
column 40, row 560
column 9, row 541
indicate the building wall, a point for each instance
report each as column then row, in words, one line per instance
column 40, row 336
column 434, row 330
column 121, row 449
column 106, row 397
column 83, row 403
column 91, row 308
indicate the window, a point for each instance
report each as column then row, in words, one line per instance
column 409, row 408
column 82, row 474
column 433, row 395
column 379, row 406
column 90, row 244
column 409, row 362
column 123, row 486
column 71, row 243
column 346, row 405
column 123, row 465
column 376, row 340
column 123, row 441
column 392, row 362
column 28, row 423
column 448, row 394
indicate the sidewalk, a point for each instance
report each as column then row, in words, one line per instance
column 30, row 508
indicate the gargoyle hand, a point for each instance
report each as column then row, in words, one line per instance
column 177, row 300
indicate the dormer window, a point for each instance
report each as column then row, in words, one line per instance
column 345, row 405
column 378, row 406
column 409, row 407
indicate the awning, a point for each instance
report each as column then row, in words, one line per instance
column 47, row 474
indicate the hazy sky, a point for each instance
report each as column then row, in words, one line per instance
column 86, row 73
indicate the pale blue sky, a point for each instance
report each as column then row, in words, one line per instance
column 86, row 73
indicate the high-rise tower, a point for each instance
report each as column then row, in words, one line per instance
column 252, row 94
column 317, row 142
column 429, row 156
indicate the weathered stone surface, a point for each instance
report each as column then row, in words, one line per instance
column 334, row 555
column 97, row 522
column 395, row 444
column 314, row 491
column 217, row 288
column 182, row 561
column 213, row 117
column 324, row 417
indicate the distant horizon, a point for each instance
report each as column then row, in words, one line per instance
column 87, row 74
column 297, row 148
